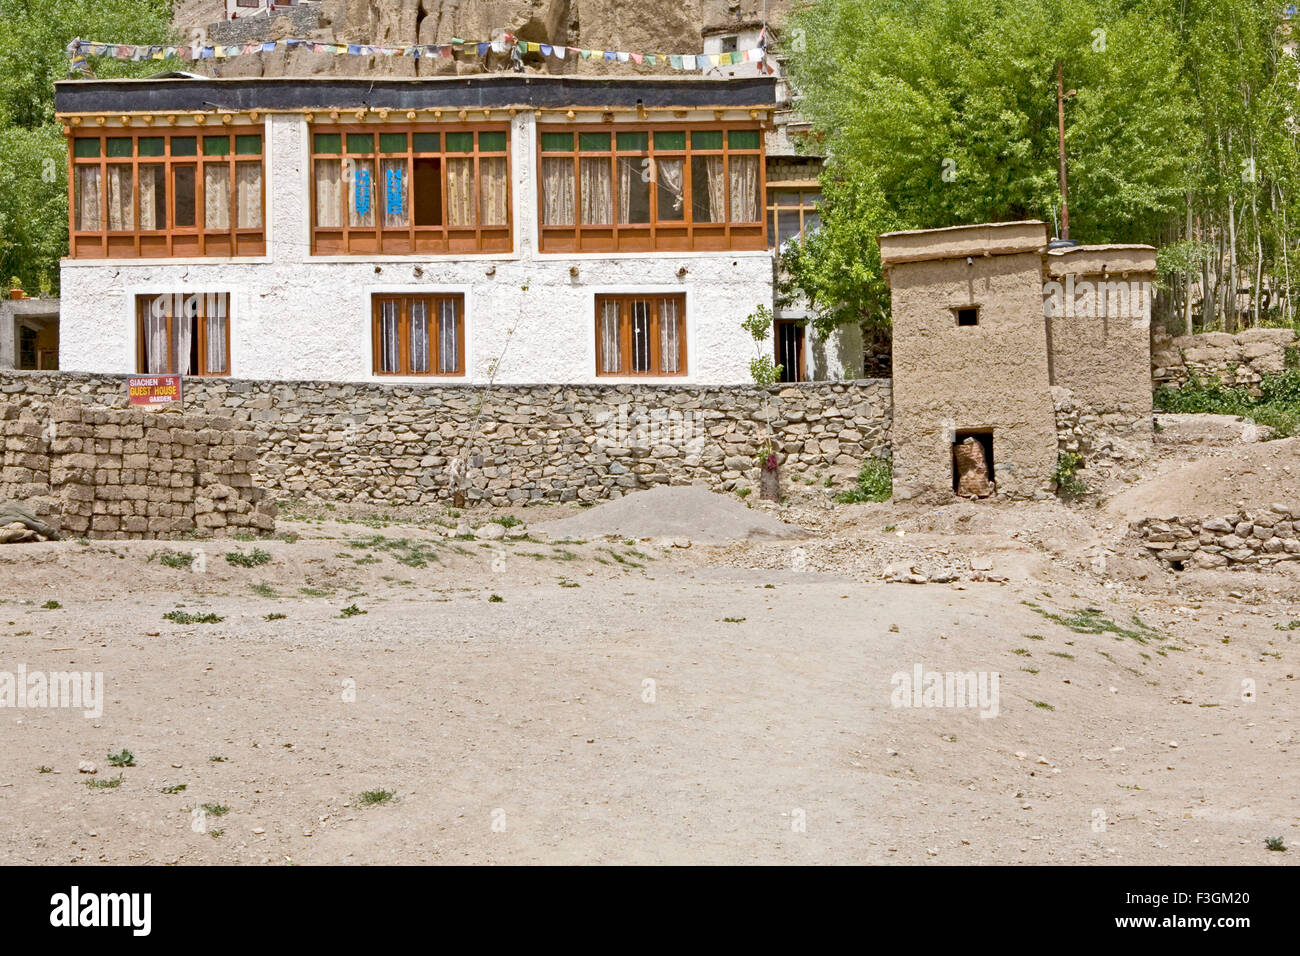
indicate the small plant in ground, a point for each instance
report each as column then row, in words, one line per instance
column 313, row 592
column 509, row 521
column 1288, row 626
column 216, row 832
column 173, row 788
column 184, row 617
column 1091, row 620
column 1043, row 705
column 176, row 559
column 495, row 599
column 109, row 784
column 274, row 617
column 375, row 798
column 1275, row 843
column 217, row 759
column 1068, row 483
column 216, row 809
column 743, row 492
column 44, row 769
column 566, row 583
column 351, row 611
column 733, row 620
column 51, row 605
column 122, row 759
column 875, row 483
column 252, row 559
column 264, row 590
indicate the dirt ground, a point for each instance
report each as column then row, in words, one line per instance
column 637, row 701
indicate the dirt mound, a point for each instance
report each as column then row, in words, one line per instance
column 683, row 511
column 1257, row 474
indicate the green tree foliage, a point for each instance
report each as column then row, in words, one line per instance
column 940, row 112
column 34, row 35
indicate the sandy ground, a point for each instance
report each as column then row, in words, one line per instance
column 631, row 701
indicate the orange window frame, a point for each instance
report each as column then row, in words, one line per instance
column 625, row 302
column 796, row 205
column 432, row 303
column 172, row 240
column 143, row 303
column 411, row 239
column 683, row 234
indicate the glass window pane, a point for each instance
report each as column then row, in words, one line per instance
column 743, row 139
column 152, row 145
column 248, row 145
column 492, row 142
column 708, row 189
column 118, row 146
column 184, row 193
column 88, row 198
column 638, row 142
column 557, row 142
column 85, row 146
column 418, row 336
column 328, row 143
column 640, row 334
column 669, row 177
column 185, row 146
column 670, row 140
column 153, row 196
column 362, row 143
column 216, row 146
column 449, row 336
column 460, row 142
column 427, row 142
column 706, row 139
column 248, row 195
column 392, row 142
column 633, row 189
column 593, row 142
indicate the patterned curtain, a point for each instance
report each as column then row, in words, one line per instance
column 153, row 197
column 216, row 196
column 611, row 348
column 121, row 205
column 460, row 192
column 717, row 188
column 597, row 191
column 670, row 342
column 388, row 337
column 329, row 208
column 419, row 336
column 89, row 199
column 448, row 337
column 217, row 361
column 557, row 191
column 361, row 194
column 744, row 189
column 494, row 187
column 392, row 190
column 248, row 195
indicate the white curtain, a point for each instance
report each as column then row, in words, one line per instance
column 625, row 174
column 557, row 191
column 216, row 358
column 493, row 186
column 155, row 340
column 248, row 195
column 419, row 337
column 216, row 196
column 670, row 341
column 640, row 335
column 744, row 189
column 153, row 197
column 121, row 204
column 361, row 194
column 448, row 337
column 388, row 337
column 89, row 217
column 392, row 187
column 329, row 208
column 611, row 350
column 597, row 191
column 669, row 177
column 460, row 192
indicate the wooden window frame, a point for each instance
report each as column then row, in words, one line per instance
column 432, row 301
column 142, row 302
column 670, row 235
column 775, row 207
column 171, row 242
column 625, row 300
column 348, row 240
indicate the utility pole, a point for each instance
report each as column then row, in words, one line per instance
column 1060, row 126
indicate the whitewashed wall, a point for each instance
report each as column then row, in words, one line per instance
column 295, row 317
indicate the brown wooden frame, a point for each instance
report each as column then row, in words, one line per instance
column 625, row 301
column 412, row 239
column 172, row 241
column 432, row 301
column 672, row 235
column 775, row 208
column 800, row 373
column 200, row 334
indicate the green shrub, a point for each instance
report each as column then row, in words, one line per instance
column 250, row 560
column 1068, row 483
column 875, row 483
column 1278, row 404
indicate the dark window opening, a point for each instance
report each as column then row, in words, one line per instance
column 789, row 350
column 26, row 348
column 968, row 316
column 974, row 484
column 427, row 187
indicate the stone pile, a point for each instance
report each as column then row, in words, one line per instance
column 1258, row 537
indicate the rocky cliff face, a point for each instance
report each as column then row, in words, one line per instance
column 649, row 26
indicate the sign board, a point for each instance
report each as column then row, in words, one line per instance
column 153, row 391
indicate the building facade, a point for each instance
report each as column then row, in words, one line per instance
column 524, row 229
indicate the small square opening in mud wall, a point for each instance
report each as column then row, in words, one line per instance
column 972, row 463
column 969, row 315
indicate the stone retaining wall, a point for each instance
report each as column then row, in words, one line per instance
column 130, row 473
column 1109, row 439
column 1240, row 359
column 385, row 443
column 1258, row 537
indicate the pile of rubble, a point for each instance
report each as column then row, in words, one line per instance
column 1256, row 537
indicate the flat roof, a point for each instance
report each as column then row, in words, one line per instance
column 494, row 91
column 953, row 242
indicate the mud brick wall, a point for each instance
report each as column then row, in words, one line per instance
column 1261, row 536
column 128, row 473
column 384, row 443
column 1108, row 438
column 1240, row 359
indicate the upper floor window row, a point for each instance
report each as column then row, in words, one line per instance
column 167, row 193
